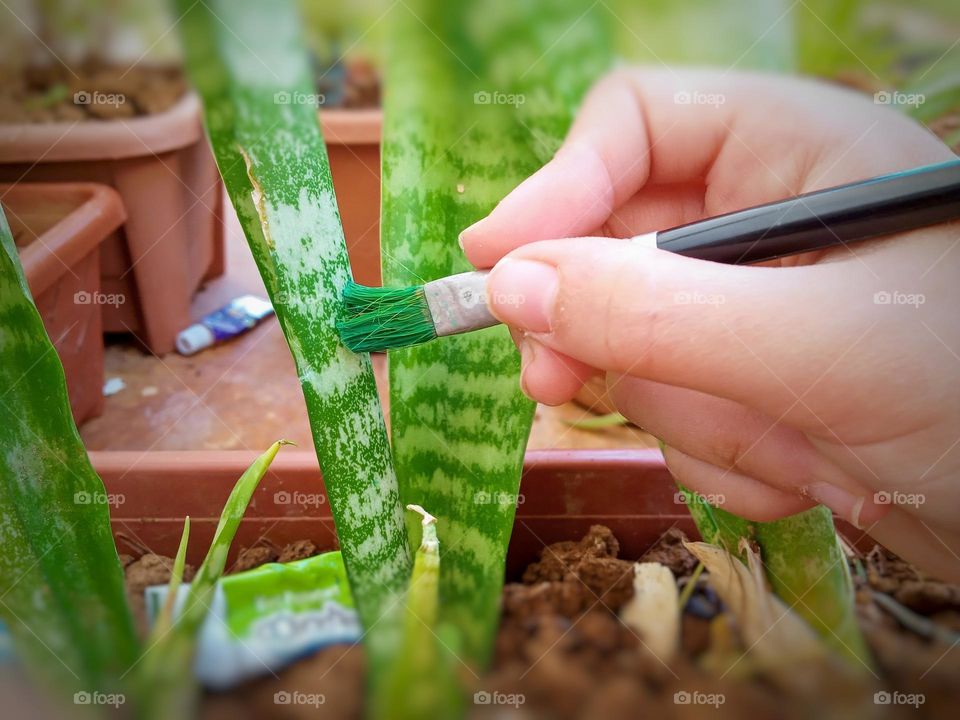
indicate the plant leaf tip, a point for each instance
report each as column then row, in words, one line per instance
column 428, row 519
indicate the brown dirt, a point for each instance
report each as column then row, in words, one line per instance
column 98, row 91
column 328, row 684
column 889, row 574
column 562, row 646
column 254, row 557
column 91, row 91
column 670, row 551
column 572, row 577
column 299, row 550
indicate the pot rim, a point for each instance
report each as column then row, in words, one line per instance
column 351, row 127
column 91, row 140
column 95, row 212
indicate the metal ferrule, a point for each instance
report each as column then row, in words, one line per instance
column 459, row 303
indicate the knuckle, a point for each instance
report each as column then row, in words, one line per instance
column 732, row 449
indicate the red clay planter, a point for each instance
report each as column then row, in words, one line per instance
column 162, row 167
column 353, row 146
column 59, row 229
column 563, row 493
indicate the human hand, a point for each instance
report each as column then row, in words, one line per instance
column 830, row 377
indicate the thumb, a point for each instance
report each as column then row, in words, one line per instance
column 763, row 336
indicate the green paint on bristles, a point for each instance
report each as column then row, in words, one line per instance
column 379, row 318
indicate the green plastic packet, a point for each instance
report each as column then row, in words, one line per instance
column 266, row 618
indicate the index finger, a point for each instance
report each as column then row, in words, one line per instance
column 630, row 131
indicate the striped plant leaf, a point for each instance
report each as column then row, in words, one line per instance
column 247, row 60
column 736, row 34
column 805, row 567
column 454, row 143
column 61, row 584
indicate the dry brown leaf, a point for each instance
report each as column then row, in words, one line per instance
column 779, row 643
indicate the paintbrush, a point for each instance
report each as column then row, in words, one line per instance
column 379, row 318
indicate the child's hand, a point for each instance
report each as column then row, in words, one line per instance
column 833, row 377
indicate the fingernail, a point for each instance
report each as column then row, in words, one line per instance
column 855, row 509
column 523, row 293
column 466, row 234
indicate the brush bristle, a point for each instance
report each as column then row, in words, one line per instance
column 380, row 318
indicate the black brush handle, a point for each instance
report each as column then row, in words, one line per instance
column 848, row 213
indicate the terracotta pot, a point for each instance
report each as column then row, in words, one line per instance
column 353, row 146
column 59, row 228
column 163, row 169
column 564, row 492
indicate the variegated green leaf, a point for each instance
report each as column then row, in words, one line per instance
column 61, row 585
column 456, row 140
column 805, row 566
column 246, row 59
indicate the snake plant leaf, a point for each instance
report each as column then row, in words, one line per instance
column 164, row 620
column 736, row 34
column 423, row 682
column 454, row 144
column 247, row 60
column 545, row 54
column 168, row 690
column 804, row 564
column 807, row 568
column 61, row 584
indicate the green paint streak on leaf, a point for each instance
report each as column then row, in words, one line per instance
column 165, row 674
column 61, row 584
column 477, row 96
column 247, row 60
